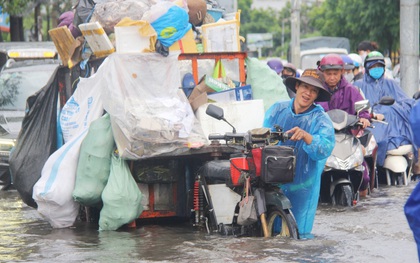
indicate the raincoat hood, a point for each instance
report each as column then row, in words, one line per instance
column 343, row 98
column 66, row 19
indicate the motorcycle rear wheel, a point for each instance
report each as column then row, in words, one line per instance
column 343, row 196
column 281, row 223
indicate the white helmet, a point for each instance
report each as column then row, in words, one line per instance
column 357, row 60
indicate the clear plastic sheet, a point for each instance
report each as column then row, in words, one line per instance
column 150, row 115
column 109, row 12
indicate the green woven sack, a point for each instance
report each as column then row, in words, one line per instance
column 121, row 197
column 94, row 162
column 265, row 83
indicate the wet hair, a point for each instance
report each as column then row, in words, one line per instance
column 367, row 45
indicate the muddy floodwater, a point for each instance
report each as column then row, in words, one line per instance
column 375, row 230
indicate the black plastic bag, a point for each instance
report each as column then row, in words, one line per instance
column 84, row 10
column 37, row 139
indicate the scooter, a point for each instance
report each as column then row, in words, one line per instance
column 368, row 140
column 222, row 186
column 343, row 172
column 399, row 162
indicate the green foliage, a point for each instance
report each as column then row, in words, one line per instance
column 359, row 20
column 15, row 7
column 275, row 22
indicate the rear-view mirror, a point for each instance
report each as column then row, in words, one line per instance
column 386, row 100
column 361, row 105
column 215, row 112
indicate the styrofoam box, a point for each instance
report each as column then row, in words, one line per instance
column 221, row 37
column 243, row 115
column 224, row 202
column 129, row 40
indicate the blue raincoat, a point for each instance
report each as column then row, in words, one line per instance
column 304, row 191
column 398, row 131
column 412, row 207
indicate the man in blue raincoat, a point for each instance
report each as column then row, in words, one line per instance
column 312, row 136
column 412, row 207
column 374, row 86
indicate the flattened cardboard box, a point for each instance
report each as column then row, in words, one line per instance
column 198, row 95
column 64, row 42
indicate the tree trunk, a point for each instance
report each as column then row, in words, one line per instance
column 16, row 29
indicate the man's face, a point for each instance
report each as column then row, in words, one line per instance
column 332, row 77
column 305, row 94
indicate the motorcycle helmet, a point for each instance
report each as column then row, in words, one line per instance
column 331, row 61
column 290, row 67
column 348, row 62
column 276, row 65
column 357, row 60
column 373, row 58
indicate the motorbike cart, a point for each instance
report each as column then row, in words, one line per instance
column 222, row 186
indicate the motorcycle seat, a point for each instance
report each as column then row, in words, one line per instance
column 402, row 150
column 216, row 171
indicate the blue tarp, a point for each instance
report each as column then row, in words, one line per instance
column 412, row 207
column 398, row 131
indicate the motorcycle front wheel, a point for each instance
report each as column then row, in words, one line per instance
column 281, row 223
column 343, row 195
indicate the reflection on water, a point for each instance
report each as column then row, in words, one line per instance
column 374, row 231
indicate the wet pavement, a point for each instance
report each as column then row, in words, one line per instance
column 375, row 230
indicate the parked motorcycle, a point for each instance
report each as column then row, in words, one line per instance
column 399, row 162
column 223, row 187
column 343, row 172
column 368, row 140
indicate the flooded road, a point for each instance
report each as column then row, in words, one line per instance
column 376, row 230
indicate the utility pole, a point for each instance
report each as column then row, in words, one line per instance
column 295, row 24
column 282, row 37
column 409, row 42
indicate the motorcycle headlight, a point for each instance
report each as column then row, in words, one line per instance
column 357, row 158
column 332, row 162
column 354, row 161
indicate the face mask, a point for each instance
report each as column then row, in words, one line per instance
column 376, row 73
column 349, row 76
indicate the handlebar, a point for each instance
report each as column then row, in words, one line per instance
column 375, row 120
column 374, row 117
column 259, row 138
column 228, row 136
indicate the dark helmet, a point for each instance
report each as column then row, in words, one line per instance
column 290, row 67
column 373, row 58
column 331, row 61
column 348, row 62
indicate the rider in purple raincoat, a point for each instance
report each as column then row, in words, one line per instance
column 343, row 97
